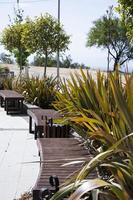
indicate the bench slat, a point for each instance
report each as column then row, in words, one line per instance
column 54, row 153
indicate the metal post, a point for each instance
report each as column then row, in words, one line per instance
column 108, row 60
column 58, row 52
column 108, row 17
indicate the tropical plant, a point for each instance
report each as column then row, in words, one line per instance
column 101, row 110
column 41, row 92
column 8, row 83
column 5, row 78
column 83, row 99
column 109, row 32
column 118, row 187
column 90, row 105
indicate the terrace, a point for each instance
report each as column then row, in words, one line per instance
column 14, row 127
column 98, row 107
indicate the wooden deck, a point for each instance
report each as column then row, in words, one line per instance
column 54, row 153
column 11, row 100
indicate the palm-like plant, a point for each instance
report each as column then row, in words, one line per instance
column 90, row 105
column 102, row 110
column 41, row 92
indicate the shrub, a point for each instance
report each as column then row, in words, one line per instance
column 41, row 92
column 4, row 69
column 8, row 83
column 102, row 110
column 5, row 79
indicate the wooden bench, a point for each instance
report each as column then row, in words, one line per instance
column 40, row 118
column 54, row 153
column 4, row 75
column 11, row 100
column 27, row 106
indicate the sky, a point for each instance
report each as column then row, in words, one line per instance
column 77, row 17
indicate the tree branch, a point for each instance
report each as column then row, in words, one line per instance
column 111, row 53
column 123, row 61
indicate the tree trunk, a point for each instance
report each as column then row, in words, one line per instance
column 20, row 63
column 116, row 64
column 46, row 62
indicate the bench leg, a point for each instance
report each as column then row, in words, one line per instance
column 1, row 101
column 36, row 194
column 35, row 132
column 30, row 125
column 6, row 106
column 38, row 131
column 21, row 106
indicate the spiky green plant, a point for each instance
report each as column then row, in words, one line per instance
column 8, row 83
column 90, row 105
column 102, row 109
column 41, row 92
column 118, row 187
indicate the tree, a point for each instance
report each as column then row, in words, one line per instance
column 39, row 61
column 44, row 36
column 11, row 38
column 110, row 32
column 126, row 10
column 66, row 62
column 127, row 5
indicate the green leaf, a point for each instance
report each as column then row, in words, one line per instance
column 89, row 185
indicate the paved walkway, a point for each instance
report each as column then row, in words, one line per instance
column 18, row 151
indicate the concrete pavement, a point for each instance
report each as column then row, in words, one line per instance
column 18, row 150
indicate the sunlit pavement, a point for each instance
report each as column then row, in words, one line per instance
column 18, row 151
